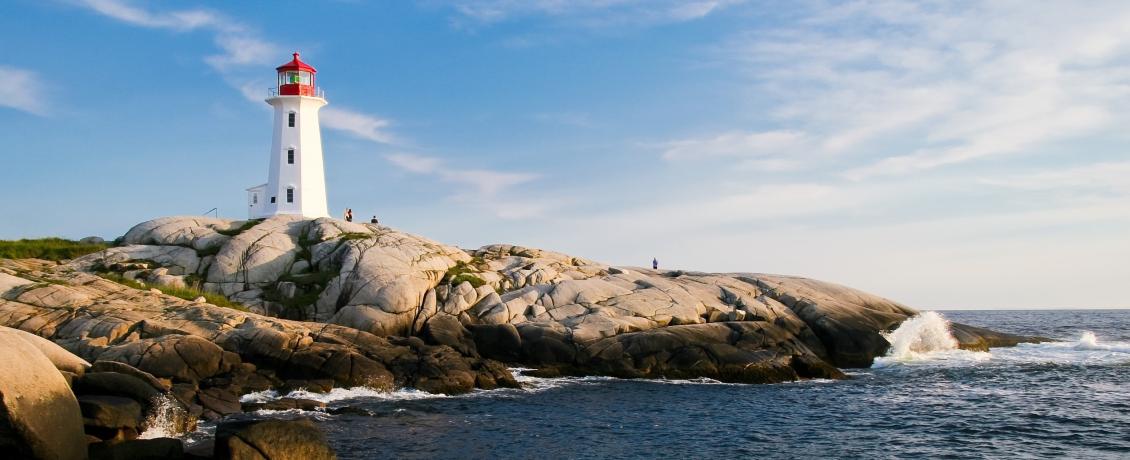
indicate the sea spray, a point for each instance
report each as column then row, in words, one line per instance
column 923, row 338
column 924, row 333
column 167, row 419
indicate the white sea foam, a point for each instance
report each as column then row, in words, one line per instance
column 290, row 413
column 925, row 339
column 341, row 394
column 1087, row 350
column 163, row 419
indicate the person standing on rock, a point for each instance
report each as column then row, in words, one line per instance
column 348, row 215
column 654, row 263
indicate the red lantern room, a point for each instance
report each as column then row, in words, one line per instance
column 296, row 78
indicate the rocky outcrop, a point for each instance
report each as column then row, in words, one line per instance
column 39, row 416
column 271, row 440
column 384, row 308
column 207, row 355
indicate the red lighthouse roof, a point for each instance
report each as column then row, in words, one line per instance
column 296, row 64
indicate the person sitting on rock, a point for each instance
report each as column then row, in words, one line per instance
column 348, row 215
column 373, row 220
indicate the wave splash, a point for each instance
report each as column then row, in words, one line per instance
column 166, row 419
column 342, row 394
column 923, row 338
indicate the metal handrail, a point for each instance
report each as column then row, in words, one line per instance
column 318, row 92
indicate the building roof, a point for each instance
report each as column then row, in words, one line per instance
column 296, row 64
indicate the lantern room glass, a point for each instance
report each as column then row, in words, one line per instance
column 296, row 77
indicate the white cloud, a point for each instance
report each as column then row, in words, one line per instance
column 927, row 85
column 482, row 187
column 358, row 124
column 735, row 144
column 178, row 20
column 488, row 183
column 414, row 163
column 242, row 49
column 587, row 13
column 23, row 90
column 1108, row 177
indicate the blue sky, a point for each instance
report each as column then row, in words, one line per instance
column 946, row 155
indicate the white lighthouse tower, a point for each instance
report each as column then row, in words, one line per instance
column 296, row 180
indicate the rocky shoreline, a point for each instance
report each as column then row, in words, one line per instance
column 327, row 303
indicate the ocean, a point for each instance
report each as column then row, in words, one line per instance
column 1053, row 400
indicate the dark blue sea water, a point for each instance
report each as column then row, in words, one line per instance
column 1069, row 399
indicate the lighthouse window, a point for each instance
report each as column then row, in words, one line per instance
column 255, row 198
column 290, row 120
column 290, row 194
column 272, row 199
column 290, row 156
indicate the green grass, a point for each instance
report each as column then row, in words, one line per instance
column 461, row 272
column 186, row 293
column 474, row 280
column 242, row 228
column 47, row 248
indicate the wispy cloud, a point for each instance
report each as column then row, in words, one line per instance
column 1104, row 178
column 177, row 20
column 738, row 144
column 586, row 13
column 239, row 44
column 359, row 124
column 905, row 87
column 479, row 187
column 23, row 90
column 241, row 51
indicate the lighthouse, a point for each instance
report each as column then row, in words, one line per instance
column 296, row 180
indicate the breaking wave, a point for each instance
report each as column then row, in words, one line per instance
column 341, row 394
column 925, row 339
column 166, row 419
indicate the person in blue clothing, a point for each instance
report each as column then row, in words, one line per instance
column 654, row 263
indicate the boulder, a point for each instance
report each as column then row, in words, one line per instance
column 498, row 341
column 62, row 359
column 285, row 404
column 123, row 368
column 115, row 384
column 178, row 357
column 9, row 282
column 110, row 411
column 219, row 400
column 271, row 440
column 39, row 416
column 447, row 330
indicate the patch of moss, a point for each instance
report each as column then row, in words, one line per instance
column 463, row 271
column 47, row 248
column 470, row 278
column 242, row 228
column 354, row 236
